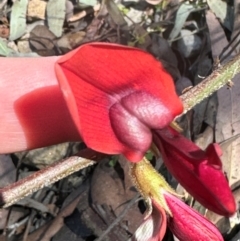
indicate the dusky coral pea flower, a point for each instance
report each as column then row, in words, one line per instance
column 199, row 172
column 115, row 95
column 116, row 98
column 166, row 209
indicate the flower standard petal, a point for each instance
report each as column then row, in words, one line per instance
column 116, row 94
column 199, row 172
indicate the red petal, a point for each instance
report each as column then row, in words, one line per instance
column 198, row 172
column 115, row 95
column 189, row 225
column 154, row 227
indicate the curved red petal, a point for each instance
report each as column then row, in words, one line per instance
column 116, row 94
column 154, row 227
column 189, row 225
column 197, row 171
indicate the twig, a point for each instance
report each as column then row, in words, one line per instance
column 212, row 83
column 45, row 177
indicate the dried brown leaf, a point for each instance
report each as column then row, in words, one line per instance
column 236, row 27
column 217, row 35
column 111, row 187
column 71, row 40
column 228, row 126
column 42, row 40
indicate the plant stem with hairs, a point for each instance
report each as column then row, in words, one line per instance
column 219, row 77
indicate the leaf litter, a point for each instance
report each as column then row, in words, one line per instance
column 45, row 28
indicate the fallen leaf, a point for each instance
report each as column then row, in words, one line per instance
column 42, row 39
column 71, row 40
column 111, row 187
column 4, row 49
column 228, row 126
column 161, row 49
column 217, row 35
column 88, row 2
column 116, row 14
column 182, row 14
column 18, row 19
column 236, row 27
column 55, row 16
column 222, row 11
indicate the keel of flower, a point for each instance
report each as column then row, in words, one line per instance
column 184, row 222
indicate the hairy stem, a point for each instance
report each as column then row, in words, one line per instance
column 47, row 176
column 212, row 83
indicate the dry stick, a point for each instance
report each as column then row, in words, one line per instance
column 16, row 191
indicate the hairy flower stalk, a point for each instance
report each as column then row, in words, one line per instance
column 184, row 222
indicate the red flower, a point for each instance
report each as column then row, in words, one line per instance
column 116, row 95
column 199, row 172
column 166, row 209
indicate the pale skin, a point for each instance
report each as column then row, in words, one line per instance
column 29, row 106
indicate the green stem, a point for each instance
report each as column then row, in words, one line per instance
column 219, row 77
